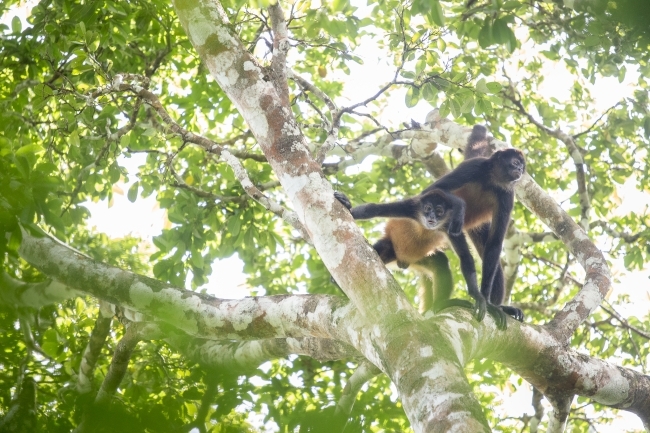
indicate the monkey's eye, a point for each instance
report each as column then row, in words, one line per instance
column 440, row 211
column 428, row 208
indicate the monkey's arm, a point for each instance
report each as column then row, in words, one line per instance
column 457, row 216
column 471, row 170
column 494, row 243
column 468, row 268
column 400, row 209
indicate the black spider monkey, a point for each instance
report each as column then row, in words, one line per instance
column 486, row 185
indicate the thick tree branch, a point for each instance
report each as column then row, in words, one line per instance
column 119, row 364
column 246, row 355
column 539, row 410
column 281, row 47
column 196, row 314
column 561, row 408
column 542, row 359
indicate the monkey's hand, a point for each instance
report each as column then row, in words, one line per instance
column 480, row 308
column 345, row 201
column 455, row 227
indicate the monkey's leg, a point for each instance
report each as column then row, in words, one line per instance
column 459, row 243
column 436, row 283
column 498, row 294
column 384, row 248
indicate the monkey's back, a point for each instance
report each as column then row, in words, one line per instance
column 411, row 241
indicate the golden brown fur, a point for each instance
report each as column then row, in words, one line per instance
column 414, row 242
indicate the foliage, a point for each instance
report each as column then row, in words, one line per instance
column 488, row 63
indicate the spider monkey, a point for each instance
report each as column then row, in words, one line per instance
column 486, row 185
column 425, row 220
column 420, row 226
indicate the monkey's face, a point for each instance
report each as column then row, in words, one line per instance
column 511, row 164
column 434, row 214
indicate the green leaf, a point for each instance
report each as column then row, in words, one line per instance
column 412, row 96
column 234, row 225
column 339, row 5
column 482, row 87
column 444, row 109
column 500, row 31
column 50, row 342
column 485, row 35
column 16, row 25
column 429, row 92
column 74, row 139
column 15, row 239
column 510, row 5
column 494, row 87
column 197, row 260
column 467, row 103
column 29, row 149
column 132, row 194
column 436, row 14
column 483, row 106
column 441, row 44
column 454, row 106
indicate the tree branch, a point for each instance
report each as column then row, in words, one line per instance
column 281, row 47
column 91, row 352
column 364, row 372
column 627, row 237
column 36, row 295
column 542, row 359
column 574, row 152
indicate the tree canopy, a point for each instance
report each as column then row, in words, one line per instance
column 240, row 119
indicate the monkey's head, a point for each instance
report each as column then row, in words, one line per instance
column 434, row 210
column 509, row 165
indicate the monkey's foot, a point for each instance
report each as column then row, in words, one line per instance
column 402, row 265
column 514, row 312
column 498, row 315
